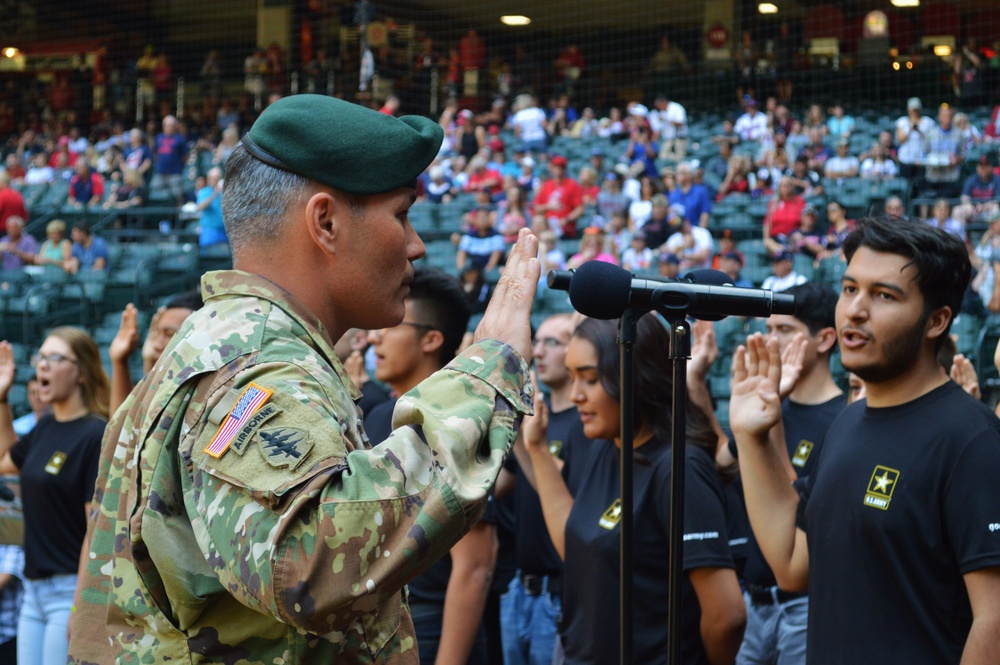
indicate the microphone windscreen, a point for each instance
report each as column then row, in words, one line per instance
column 600, row 290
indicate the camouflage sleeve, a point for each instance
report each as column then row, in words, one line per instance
column 300, row 521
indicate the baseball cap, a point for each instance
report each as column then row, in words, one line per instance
column 559, row 160
column 913, row 103
column 782, row 256
column 735, row 256
column 669, row 257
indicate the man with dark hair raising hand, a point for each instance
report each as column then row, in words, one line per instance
column 897, row 530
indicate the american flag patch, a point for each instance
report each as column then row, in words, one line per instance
column 252, row 399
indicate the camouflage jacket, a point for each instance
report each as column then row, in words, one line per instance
column 240, row 515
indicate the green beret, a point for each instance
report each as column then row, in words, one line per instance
column 346, row 146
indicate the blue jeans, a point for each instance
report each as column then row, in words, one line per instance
column 41, row 628
column 775, row 634
column 529, row 625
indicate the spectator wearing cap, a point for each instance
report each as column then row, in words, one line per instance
column 842, row 165
column 560, row 198
column 529, row 124
column 912, row 132
column 944, row 156
column 437, row 185
column 17, row 248
column 597, row 161
column 692, row 195
column 805, row 181
column 783, row 216
column 784, row 275
column 980, row 194
column 526, row 177
column 668, row 120
column 638, row 257
column 731, row 263
column 611, row 198
column 752, row 125
column 592, row 248
column 86, row 187
column 668, row 265
column 88, row 252
column 726, row 244
column 761, row 186
column 692, row 244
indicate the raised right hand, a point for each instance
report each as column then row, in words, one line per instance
column 7, row 368
column 508, row 316
column 754, row 405
column 534, row 429
column 127, row 339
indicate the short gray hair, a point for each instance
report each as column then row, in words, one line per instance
column 256, row 198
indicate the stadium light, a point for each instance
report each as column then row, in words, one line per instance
column 11, row 52
column 942, row 50
column 515, row 20
column 905, row 3
column 767, row 8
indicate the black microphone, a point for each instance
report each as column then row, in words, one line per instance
column 603, row 291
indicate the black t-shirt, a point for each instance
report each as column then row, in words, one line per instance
column 805, row 428
column 591, row 580
column 372, row 394
column 535, row 553
column 903, row 502
column 58, row 467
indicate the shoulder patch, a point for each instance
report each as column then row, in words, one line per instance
column 284, row 447
column 242, row 440
column 252, row 398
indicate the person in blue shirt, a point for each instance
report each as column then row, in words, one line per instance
column 89, row 252
column 209, row 200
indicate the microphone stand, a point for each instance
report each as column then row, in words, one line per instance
column 626, row 343
column 680, row 351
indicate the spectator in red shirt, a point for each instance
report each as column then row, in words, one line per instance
column 560, row 199
column 783, row 217
column 11, row 202
column 472, row 51
column 86, row 188
column 483, row 178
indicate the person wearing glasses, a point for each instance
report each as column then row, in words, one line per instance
column 57, row 462
column 446, row 600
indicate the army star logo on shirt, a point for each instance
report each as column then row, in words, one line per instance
column 55, row 463
column 880, row 487
column 802, row 452
column 609, row 520
column 284, row 446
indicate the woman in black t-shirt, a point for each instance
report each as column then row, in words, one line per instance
column 57, row 462
column 583, row 520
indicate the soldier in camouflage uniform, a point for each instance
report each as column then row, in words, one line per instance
column 242, row 516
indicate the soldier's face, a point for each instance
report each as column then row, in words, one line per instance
column 375, row 262
column 599, row 413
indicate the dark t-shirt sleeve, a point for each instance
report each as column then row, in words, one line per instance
column 972, row 504
column 20, row 449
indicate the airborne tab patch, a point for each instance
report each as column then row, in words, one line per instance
column 284, row 447
column 242, row 440
column 253, row 398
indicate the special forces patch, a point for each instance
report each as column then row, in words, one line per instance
column 284, row 447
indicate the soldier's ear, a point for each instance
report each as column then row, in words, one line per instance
column 324, row 215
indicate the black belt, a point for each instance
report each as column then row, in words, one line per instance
column 768, row 595
column 535, row 585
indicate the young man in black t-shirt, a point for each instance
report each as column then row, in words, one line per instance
column 776, row 617
column 897, row 530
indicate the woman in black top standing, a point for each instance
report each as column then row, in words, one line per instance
column 57, row 462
